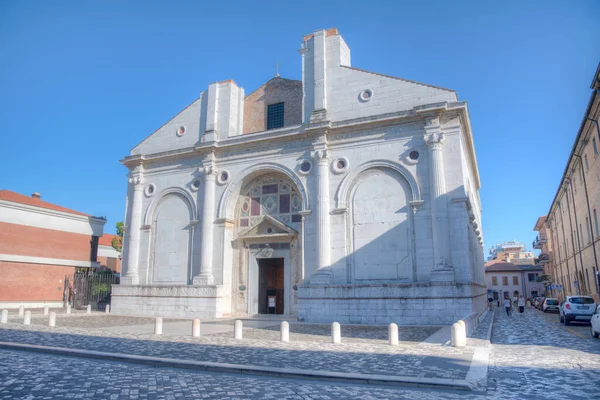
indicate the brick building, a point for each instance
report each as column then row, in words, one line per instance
column 569, row 235
column 507, row 280
column 40, row 244
column 108, row 257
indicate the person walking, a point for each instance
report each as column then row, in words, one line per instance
column 507, row 306
column 521, row 303
column 490, row 303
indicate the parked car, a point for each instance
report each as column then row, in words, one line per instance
column 550, row 305
column 595, row 323
column 539, row 303
column 576, row 309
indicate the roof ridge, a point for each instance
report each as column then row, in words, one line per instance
column 400, row 79
column 30, row 201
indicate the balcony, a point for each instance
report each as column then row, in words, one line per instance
column 539, row 241
column 543, row 259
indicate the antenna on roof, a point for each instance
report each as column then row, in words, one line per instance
column 277, row 68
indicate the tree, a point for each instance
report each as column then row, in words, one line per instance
column 117, row 242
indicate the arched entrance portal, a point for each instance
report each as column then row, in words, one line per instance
column 268, row 228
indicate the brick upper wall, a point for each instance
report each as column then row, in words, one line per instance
column 32, row 282
column 39, row 242
column 276, row 90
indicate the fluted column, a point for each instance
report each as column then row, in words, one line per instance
column 323, row 244
column 205, row 277
column 133, row 232
column 439, row 208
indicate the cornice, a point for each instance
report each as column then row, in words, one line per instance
column 308, row 131
column 50, row 212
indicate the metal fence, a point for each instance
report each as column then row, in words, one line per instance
column 89, row 287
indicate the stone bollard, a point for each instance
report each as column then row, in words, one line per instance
column 285, row 331
column 459, row 338
column 237, row 329
column 21, row 311
column 336, row 333
column 52, row 319
column 89, row 309
column 393, row 334
column 158, row 326
column 27, row 319
column 107, row 309
column 46, row 310
column 196, row 328
column 4, row 319
column 68, row 309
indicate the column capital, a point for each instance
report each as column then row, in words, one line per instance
column 136, row 181
column 209, row 171
column 321, row 156
column 434, row 140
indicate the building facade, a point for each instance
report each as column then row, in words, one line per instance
column 513, row 252
column 506, row 280
column 41, row 245
column 569, row 234
column 348, row 196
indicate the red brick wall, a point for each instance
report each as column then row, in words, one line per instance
column 39, row 242
column 32, row 282
column 110, row 263
column 277, row 90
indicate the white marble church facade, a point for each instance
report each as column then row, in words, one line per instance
column 348, row 196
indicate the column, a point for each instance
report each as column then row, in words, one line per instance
column 323, row 244
column 133, row 232
column 439, row 209
column 205, row 277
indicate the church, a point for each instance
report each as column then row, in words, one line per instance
column 348, row 196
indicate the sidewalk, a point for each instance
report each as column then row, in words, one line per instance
column 423, row 356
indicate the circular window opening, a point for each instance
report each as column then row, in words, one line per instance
column 224, row 176
column 270, row 230
column 196, row 184
column 150, row 188
column 414, row 155
column 305, row 166
column 366, row 95
column 180, row 131
column 341, row 164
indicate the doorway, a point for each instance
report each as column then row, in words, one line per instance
column 270, row 286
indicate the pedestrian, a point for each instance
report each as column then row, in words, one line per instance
column 515, row 300
column 521, row 303
column 490, row 302
column 507, row 306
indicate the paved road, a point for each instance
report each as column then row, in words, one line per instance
column 533, row 357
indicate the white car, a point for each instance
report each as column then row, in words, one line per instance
column 550, row 305
column 576, row 309
column 595, row 323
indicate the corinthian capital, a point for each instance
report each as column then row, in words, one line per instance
column 210, row 171
column 136, row 181
column 434, row 140
column 321, row 157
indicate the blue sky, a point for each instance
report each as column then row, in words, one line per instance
column 81, row 83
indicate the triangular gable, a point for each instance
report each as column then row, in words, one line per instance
column 267, row 228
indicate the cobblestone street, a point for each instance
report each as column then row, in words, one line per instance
column 532, row 357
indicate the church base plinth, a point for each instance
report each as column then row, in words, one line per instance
column 404, row 304
column 173, row 301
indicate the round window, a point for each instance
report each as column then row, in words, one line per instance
column 414, row 155
column 223, row 177
column 196, row 184
column 366, row 95
column 180, row 130
column 340, row 165
column 149, row 190
column 304, row 167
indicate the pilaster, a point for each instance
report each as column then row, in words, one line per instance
column 209, row 170
column 133, row 230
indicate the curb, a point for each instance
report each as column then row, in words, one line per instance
column 438, row 383
column 478, row 371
